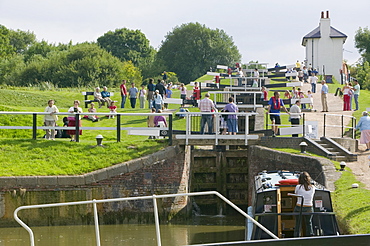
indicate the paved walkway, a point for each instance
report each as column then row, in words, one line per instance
column 360, row 168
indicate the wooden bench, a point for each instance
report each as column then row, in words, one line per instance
column 87, row 101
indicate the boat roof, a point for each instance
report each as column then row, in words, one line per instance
column 269, row 180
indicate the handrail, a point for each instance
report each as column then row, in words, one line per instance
column 342, row 126
column 154, row 197
column 216, row 135
column 118, row 127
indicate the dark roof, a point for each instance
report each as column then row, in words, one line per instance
column 334, row 33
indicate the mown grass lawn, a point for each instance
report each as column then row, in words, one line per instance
column 20, row 155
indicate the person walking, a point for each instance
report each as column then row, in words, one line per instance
column 232, row 119
column 142, row 95
column 273, row 109
column 133, row 91
column 364, row 126
column 123, row 90
column 313, row 81
column 295, row 114
column 206, row 105
column 151, row 89
column 324, row 96
column 356, row 93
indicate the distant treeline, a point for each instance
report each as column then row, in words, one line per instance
column 186, row 53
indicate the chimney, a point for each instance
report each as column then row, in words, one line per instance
column 325, row 25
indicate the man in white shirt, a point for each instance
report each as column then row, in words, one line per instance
column 313, row 81
column 295, row 114
column 255, row 74
column 241, row 75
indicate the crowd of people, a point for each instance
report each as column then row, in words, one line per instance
column 155, row 94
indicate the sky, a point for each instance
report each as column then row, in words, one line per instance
column 267, row 31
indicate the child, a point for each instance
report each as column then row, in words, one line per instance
column 64, row 132
column 168, row 95
column 92, row 109
column 309, row 95
column 287, row 95
column 300, row 96
column 113, row 109
column 223, row 122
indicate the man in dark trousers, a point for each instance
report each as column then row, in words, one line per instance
column 160, row 87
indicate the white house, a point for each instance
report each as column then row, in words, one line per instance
column 324, row 48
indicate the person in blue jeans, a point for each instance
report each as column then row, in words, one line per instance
column 123, row 90
column 133, row 92
column 232, row 119
column 206, row 105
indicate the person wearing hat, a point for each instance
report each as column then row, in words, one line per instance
column 356, row 92
column 158, row 101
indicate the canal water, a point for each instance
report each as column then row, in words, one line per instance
column 202, row 229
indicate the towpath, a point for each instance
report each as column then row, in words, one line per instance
column 360, row 168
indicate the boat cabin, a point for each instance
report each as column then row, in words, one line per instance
column 274, row 203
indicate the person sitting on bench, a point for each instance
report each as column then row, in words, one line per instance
column 106, row 96
column 98, row 97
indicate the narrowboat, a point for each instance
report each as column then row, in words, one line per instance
column 274, row 201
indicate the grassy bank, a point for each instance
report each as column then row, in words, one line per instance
column 23, row 156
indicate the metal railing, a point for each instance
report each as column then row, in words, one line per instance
column 302, row 116
column 193, row 126
column 343, row 125
column 240, row 98
column 156, row 216
column 118, row 122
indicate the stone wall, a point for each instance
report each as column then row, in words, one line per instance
column 164, row 172
column 167, row 171
column 261, row 158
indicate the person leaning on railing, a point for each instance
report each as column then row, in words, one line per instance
column 50, row 119
column 295, row 114
column 364, row 126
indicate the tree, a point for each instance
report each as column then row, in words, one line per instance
column 21, row 40
column 6, row 49
column 362, row 42
column 128, row 45
column 131, row 73
column 363, row 75
column 82, row 65
column 191, row 49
